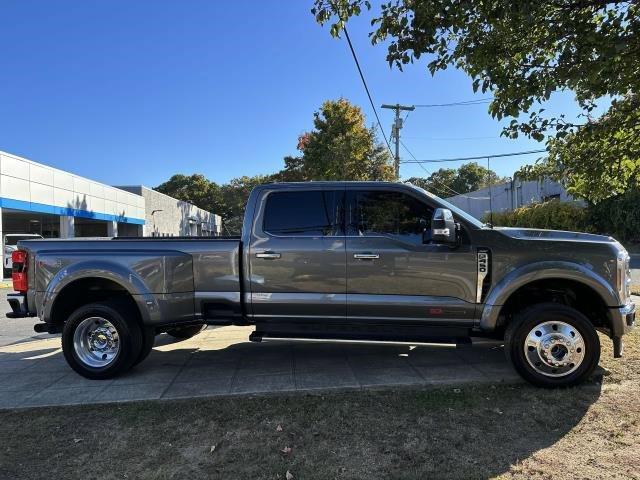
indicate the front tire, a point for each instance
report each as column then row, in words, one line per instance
column 99, row 343
column 552, row 345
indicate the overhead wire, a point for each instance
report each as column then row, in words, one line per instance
column 364, row 82
column 478, row 157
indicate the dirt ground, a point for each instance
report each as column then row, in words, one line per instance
column 592, row 431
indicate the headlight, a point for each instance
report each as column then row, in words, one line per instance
column 623, row 276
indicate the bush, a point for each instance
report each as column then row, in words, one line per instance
column 554, row 215
column 618, row 216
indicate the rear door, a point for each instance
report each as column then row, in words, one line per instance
column 297, row 255
column 392, row 277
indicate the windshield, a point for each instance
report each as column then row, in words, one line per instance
column 456, row 210
column 14, row 239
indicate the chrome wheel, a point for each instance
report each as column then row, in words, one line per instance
column 554, row 349
column 96, row 342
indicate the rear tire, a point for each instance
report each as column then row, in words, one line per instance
column 99, row 342
column 183, row 333
column 552, row 345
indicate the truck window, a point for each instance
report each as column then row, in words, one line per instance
column 308, row 213
column 376, row 212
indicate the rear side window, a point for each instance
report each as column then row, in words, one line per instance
column 388, row 213
column 310, row 213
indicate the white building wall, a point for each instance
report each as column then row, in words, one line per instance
column 30, row 186
column 167, row 216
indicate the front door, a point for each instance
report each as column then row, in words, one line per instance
column 392, row 276
column 297, row 256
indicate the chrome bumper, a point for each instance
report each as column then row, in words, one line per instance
column 628, row 316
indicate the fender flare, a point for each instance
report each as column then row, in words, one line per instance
column 548, row 270
column 146, row 301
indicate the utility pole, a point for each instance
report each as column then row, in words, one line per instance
column 395, row 131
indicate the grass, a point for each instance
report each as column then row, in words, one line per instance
column 592, row 431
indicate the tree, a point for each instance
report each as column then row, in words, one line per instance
column 341, row 147
column 195, row 189
column 521, row 51
column 447, row 182
column 601, row 159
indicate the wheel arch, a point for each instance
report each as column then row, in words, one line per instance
column 82, row 284
column 547, row 281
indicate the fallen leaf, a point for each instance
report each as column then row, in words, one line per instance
column 77, row 440
column 288, row 475
column 279, row 428
column 456, row 390
column 286, row 450
column 498, row 411
column 213, row 447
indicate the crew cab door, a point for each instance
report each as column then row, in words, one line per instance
column 392, row 276
column 297, row 256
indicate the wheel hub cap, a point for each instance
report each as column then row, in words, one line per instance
column 96, row 342
column 554, row 349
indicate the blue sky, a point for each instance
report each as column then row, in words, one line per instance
column 132, row 92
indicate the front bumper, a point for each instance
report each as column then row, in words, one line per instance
column 628, row 316
column 623, row 319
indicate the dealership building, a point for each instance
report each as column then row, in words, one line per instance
column 39, row 199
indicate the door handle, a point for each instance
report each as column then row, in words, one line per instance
column 366, row 256
column 268, row 255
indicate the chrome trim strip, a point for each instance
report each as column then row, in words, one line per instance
column 369, row 342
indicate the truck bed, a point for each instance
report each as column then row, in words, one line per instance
column 187, row 278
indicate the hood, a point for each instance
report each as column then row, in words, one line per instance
column 556, row 235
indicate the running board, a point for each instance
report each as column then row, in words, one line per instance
column 436, row 342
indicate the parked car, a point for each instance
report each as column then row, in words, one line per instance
column 327, row 261
column 11, row 245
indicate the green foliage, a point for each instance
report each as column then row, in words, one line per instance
column 618, row 216
column 446, row 182
column 554, row 215
column 195, row 189
column 519, row 51
column 600, row 160
column 341, row 147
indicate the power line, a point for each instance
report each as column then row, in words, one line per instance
column 479, row 157
column 478, row 101
column 364, row 82
column 428, row 172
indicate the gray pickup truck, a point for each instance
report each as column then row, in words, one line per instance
column 336, row 261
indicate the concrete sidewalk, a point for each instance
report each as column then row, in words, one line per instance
column 221, row 361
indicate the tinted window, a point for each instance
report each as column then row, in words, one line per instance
column 303, row 213
column 389, row 213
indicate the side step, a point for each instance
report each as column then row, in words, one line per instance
column 447, row 342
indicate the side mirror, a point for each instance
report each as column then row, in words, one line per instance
column 443, row 227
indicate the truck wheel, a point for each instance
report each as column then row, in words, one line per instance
column 186, row 332
column 552, row 345
column 99, row 343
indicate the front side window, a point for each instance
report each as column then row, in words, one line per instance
column 388, row 213
column 310, row 213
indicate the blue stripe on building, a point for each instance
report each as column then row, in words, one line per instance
column 71, row 212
